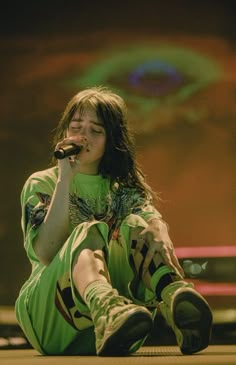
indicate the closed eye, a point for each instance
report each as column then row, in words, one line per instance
column 96, row 131
column 75, row 128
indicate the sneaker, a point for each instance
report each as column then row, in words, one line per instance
column 188, row 314
column 119, row 324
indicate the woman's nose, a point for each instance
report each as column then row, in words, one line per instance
column 82, row 131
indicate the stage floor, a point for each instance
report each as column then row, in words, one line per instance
column 151, row 355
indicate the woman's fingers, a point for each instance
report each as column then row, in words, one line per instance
column 177, row 264
column 167, row 256
column 170, row 260
column 147, row 261
column 159, row 243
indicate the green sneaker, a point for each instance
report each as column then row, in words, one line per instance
column 119, row 324
column 189, row 316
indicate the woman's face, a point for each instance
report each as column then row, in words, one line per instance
column 86, row 127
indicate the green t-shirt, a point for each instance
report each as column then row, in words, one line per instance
column 90, row 198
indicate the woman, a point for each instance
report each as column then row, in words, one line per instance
column 100, row 252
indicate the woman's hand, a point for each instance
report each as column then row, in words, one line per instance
column 157, row 239
column 69, row 166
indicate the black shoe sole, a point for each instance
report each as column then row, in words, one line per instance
column 195, row 324
column 135, row 328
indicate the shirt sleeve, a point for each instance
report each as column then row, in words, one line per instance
column 35, row 199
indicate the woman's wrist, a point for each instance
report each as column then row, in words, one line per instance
column 64, row 178
column 158, row 222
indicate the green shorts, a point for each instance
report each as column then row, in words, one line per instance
column 51, row 313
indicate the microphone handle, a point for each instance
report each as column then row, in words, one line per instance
column 66, row 151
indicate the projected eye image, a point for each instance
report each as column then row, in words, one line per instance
column 149, row 78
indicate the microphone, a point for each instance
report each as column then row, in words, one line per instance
column 67, row 150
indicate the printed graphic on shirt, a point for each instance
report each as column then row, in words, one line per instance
column 86, row 210
column 112, row 209
column 35, row 215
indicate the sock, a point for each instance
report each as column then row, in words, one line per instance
column 96, row 289
column 161, row 277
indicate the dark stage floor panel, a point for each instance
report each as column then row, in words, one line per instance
column 150, row 355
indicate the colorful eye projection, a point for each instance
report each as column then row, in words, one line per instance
column 148, row 77
column 154, row 78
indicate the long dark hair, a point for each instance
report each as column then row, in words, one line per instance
column 118, row 162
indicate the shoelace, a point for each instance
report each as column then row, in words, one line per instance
column 108, row 302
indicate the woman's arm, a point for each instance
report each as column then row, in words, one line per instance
column 157, row 237
column 54, row 229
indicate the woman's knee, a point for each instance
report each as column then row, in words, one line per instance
column 92, row 239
